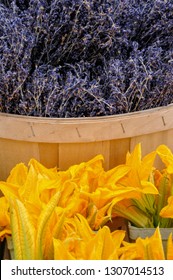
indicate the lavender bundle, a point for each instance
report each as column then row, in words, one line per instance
column 74, row 58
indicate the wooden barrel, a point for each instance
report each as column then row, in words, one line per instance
column 66, row 141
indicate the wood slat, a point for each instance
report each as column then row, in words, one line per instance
column 118, row 151
column 13, row 152
column 71, row 153
column 49, row 154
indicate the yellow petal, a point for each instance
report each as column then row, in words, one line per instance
column 111, row 177
column 4, row 233
column 170, row 248
column 148, row 188
column 129, row 252
column 150, row 248
column 102, row 246
column 50, row 173
column 147, row 165
column 60, row 251
column 101, row 217
column 91, row 214
column 29, row 191
column 155, row 247
column 167, row 211
column 118, row 237
column 76, row 247
column 23, row 232
column 4, row 212
column 141, row 168
column 83, row 227
column 134, row 159
column 103, row 196
column 18, row 174
column 166, row 156
column 54, row 229
column 67, row 193
column 9, row 190
column 42, row 222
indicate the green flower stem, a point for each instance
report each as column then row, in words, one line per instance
column 138, row 219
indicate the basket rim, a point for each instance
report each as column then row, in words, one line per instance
column 89, row 129
column 95, row 118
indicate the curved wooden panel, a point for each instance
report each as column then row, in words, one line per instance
column 78, row 130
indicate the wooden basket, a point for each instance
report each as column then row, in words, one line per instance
column 63, row 142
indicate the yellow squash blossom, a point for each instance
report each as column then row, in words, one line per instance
column 140, row 168
column 55, row 214
column 85, row 244
column 29, row 238
column 23, row 232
